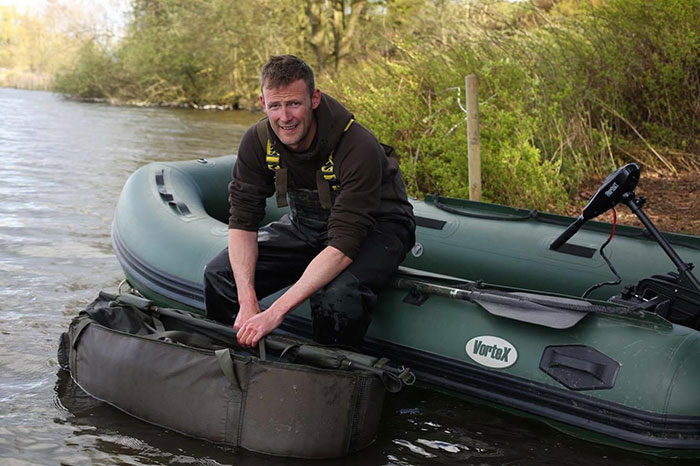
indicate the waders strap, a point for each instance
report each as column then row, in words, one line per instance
column 325, row 177
column 281, row 187
column 324, row 191
column 261, row 129
column 233, row 415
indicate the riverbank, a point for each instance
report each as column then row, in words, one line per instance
column 672, row 197
column 148, row 104
column 25, row 80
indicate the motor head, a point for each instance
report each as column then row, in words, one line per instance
column 610, row 193
column 617, row 184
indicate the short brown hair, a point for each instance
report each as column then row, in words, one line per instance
column 281, row 70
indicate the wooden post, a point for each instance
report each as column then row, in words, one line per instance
column 474, row 146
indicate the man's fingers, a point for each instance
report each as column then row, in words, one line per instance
column 247, row 336
column 237, row 325
column 241, row 335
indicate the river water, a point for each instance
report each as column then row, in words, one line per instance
column 62, row 166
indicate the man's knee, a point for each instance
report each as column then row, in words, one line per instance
column 218, row 265
column 341, row 311
column 220, row 298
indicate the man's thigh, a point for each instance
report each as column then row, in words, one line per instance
column 380, row 255
column 284, row 252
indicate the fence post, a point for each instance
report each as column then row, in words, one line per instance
column 473, row 146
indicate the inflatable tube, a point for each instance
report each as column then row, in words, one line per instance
column 609, row 374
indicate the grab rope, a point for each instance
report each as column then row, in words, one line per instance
column 533, row 214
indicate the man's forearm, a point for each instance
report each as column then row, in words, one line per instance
column 243, row 256
column 327, row 265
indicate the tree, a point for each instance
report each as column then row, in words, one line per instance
column 332, row 29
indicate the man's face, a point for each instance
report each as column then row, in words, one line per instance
column 290, row 110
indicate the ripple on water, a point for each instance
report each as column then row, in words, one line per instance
column 414, row 448
column 440, row 445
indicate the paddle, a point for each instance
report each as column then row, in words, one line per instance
column 519, row 304
column 516, row 306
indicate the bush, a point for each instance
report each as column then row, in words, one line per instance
column 94, row 75
column 568, row 89
column 415, row 104
column 561, row 98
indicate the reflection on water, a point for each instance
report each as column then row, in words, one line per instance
column 62, row 167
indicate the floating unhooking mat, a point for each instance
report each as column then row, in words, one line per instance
column 185, row 373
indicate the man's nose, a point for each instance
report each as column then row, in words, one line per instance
column 287, row 113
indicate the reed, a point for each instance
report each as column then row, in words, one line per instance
column 21, row 79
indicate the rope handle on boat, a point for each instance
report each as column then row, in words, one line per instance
column 532, row 214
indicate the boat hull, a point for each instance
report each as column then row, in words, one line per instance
column 627, row 378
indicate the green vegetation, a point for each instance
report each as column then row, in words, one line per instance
column 565, row 93
column 568, row 89
column 34, row 47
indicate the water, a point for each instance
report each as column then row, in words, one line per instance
column 62, row 166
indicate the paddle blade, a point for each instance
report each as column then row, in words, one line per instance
column 515, row 307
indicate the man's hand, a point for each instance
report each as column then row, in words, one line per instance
column 258, row 326
column 244, row 314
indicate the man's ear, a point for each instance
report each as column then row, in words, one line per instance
column 316, row 99
column 262, row 103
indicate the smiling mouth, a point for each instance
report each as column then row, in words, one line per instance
column 288, row 127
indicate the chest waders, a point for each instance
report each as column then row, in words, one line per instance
column 340, row 311
column 327, row 183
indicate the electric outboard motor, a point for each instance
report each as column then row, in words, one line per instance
column 675, row 296
column 611, row 193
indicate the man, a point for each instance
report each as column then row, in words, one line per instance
column 350, row 224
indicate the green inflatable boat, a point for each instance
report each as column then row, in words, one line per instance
column 614, row 369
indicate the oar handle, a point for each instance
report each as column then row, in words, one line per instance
column 431, row 288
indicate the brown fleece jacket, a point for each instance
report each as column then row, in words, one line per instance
column 371, row 188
